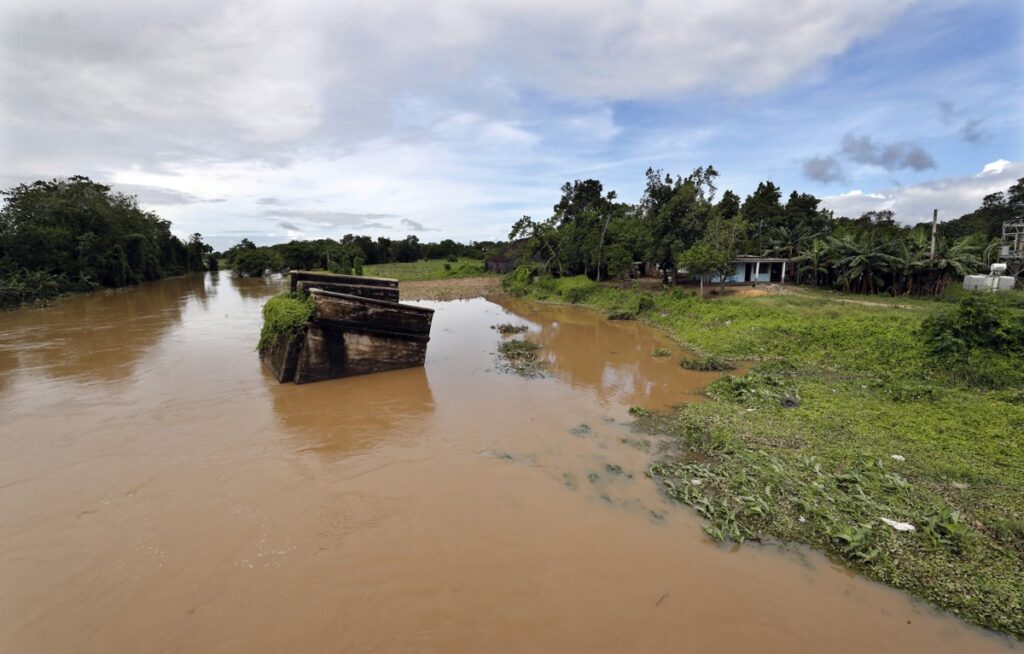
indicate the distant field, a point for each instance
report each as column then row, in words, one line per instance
column 427, row 269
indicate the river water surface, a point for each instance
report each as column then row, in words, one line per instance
column 160, row 492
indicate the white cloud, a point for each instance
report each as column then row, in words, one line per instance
column 995, row 168
column 952, row 196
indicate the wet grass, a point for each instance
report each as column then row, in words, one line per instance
column 660, row 352
column 707, row 363
column 428, row 269
column 877, row 431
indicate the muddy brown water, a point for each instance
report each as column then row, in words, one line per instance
column 160, row 492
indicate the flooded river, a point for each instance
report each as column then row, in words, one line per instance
column 160, row 492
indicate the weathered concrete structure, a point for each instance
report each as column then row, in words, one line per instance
column 358, row 327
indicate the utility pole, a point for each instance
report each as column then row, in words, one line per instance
column 935, row 225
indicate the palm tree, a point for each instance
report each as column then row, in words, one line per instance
column 959, row 258
column 862, row 261
column 815, row 261
column 786, row 241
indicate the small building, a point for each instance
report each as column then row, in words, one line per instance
column 751, row 269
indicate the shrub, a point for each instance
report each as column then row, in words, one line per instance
column 518, row 281
column 576, row 289
column 981, row 341
column 285, row 314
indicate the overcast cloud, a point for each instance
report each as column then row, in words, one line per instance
column 459, row 116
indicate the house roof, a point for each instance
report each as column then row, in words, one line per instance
column 750, row 258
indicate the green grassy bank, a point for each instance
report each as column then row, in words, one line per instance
column 881, row 430
column 427, row 269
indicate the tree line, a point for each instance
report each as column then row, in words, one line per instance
column 68, row 235
column 346, row 255
column 682, row 223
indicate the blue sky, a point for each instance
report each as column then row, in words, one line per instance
column 447, row 118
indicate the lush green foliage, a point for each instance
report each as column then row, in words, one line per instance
column 679, row 224
column 823, row 473
column 74, row 235
column 981, row 341
column 357, row 255
column 284, row 315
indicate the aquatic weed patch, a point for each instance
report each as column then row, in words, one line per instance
column 508, row 329
column 707, row 363
column 521, row 356
column 284, row 315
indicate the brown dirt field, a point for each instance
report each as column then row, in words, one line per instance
column 449, row 289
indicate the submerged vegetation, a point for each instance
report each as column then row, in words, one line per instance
column 285, row 314
column 508, row 329
column 706, row 363
column 900, row 414
column 71, row 235
column 520, row 355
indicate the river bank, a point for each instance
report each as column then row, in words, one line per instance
column 876, row 437
column 163, row 492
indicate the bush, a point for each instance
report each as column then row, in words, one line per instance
column 285, row 314
column 629, row 307
column 981, row 341
column 518, row 281
column 576, row 289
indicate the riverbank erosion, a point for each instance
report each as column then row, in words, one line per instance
column 847, row 435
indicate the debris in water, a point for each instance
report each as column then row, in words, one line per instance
column 580, row 430
column 504, row 456
column 613, row 468
column 593, row 478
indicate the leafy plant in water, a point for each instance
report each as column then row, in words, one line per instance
column 285, row 314
column 520, row 356
column 706, row 363
column 507, row 329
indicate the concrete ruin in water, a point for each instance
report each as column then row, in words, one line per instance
column 358, row 327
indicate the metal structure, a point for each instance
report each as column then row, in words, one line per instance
column 1011, row 250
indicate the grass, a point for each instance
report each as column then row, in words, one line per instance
column 284, row 314
column 427, row 269
column 879, row 431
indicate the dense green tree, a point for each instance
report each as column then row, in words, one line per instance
column 81, row 235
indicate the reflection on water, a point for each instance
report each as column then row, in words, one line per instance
column 344, row 416
column 610, row 357
column 99, row 334
column 160, row 491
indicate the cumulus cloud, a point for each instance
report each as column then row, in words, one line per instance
column 952, row 196
column 823, row 169
column 892, row 156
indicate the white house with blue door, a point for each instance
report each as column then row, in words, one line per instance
column 750, row 269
